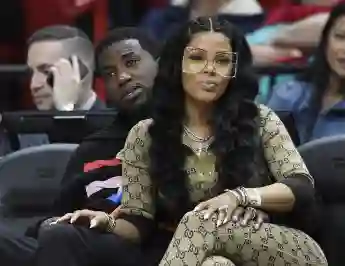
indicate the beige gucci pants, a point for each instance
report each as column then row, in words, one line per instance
column 197, row 242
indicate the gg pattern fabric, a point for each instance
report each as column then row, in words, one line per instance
column 272, row 245
column 137, row 194
column 280, row 153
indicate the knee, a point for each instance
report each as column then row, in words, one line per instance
column 59, row 234
column 217, row 261
column 192, row 217
column 195, row 219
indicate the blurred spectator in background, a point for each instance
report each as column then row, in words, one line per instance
column 290, row 34
column 59, row 54
column 66, row 55
column 316, row 99
column 290, row 31
column 246, row 14
column 66, row 12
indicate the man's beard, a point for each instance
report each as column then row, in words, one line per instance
column 132, row 107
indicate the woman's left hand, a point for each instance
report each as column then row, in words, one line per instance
column 222, row 205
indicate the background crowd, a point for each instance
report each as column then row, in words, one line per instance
column 278, row 31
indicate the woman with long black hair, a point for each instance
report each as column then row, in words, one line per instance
column 207, row 148
column 214, row 172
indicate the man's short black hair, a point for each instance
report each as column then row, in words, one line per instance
column 57, row 33
column 146, row 40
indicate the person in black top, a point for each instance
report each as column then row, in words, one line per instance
column 126, row 60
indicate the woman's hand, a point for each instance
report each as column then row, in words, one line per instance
column 245, row 215
column 223, row 205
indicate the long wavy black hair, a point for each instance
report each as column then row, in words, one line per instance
column 234, row 121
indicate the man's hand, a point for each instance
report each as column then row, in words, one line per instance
column 67, row 83
column 94, row 218
column 116, row 212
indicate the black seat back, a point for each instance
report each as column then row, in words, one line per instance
column 325, row 159
column 30, row 181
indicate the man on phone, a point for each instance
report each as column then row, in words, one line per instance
column 61, row 59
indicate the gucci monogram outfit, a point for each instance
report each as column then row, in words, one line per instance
column 199, row 242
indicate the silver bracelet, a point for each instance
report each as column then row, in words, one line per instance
column 247, row 198
column 237, row 195
column 241, row 194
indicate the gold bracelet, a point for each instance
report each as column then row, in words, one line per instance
column 111, row 224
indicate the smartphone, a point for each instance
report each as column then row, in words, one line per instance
column 82, row 68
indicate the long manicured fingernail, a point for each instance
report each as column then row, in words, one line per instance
column 93, row 223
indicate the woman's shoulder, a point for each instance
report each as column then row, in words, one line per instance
column 137, row 143
column 141, row 128
column 268, row 119
column 264, row 111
